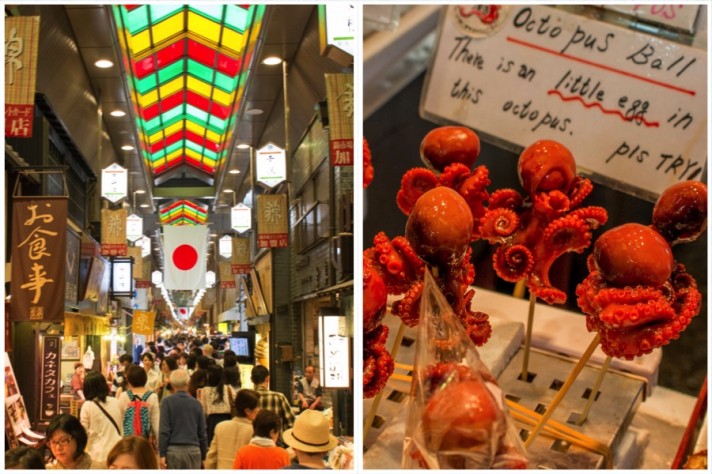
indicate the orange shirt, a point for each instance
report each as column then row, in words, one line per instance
column 261, row 457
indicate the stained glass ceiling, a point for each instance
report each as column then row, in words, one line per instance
column 183, row 213
column 186, row 67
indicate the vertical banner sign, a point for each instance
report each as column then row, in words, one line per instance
column 271, row 163
column 114, row 183
column 272, row 221
column 135, row 253
column 227, row 279
column 71, row 292
column 21, row 44
column 241, row 217
column 337, row 27
column 113, row 232
column 134, row 227
column 334, row 352
column 49, row 390
column 340, row 101
column 143, row 322
column 39, row 242
column 241, row 256
column 225, row 246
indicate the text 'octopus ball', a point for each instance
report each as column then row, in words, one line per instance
column 439, row 227
column 633, row 254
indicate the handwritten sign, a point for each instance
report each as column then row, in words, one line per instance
column 631, row 107
column 334, row 353
column 49, row 391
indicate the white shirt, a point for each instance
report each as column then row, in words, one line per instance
column 153, row 379
column 101, row 433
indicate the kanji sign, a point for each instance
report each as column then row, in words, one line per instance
column 134, row 227
column 143, row 322
column 241, row 218
column 241, row 262
column 271, row 165
column 333, row 352
column 113, row 232
column 39, row 243
column 340, row 100
column 21, row 44
column 114, row 182
column 272, row 221
column 50, row 377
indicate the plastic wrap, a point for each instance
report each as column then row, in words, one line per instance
column 457, row 417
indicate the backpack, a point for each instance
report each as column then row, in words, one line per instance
column 137, row 420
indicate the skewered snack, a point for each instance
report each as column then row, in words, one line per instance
column 532, row 232
column 368, row 171
column 636, row 296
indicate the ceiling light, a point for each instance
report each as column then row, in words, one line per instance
column 243, row 146
column 103, row 63
column 145, row 205
column 272, row 61
column 117, row 113
column 140, row 191
column 127, row 148
column 234, row 171
column 253, row 112
column 228, row 191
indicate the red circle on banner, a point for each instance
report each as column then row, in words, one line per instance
column 185, row 257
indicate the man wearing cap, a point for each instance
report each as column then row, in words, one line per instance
column 310, row 439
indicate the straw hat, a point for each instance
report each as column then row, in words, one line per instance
column 310, row 433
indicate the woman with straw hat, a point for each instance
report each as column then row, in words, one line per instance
column 310, row 439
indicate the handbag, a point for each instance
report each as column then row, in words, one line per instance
column 113, row 422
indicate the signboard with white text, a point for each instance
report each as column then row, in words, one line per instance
column 114, row 182
column 271, row 165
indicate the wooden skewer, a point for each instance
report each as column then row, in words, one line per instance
column 528, row 337
column 564, row 389
column 377, row 400
column 594, row 391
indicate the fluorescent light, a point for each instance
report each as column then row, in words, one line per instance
column 117, row 113
column 272, row 61
column 140, row 191
column 254, row 112
column 127, row 148
column 228, row 191
column 103, row 63
column 243, row 146
column 145, row 205
column 234, row 171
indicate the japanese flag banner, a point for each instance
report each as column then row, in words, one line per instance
column 185, row 249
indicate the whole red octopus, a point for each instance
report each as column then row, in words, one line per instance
column 533, row 231
column 636, row 296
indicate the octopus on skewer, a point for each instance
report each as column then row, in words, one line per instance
column 368, row 171
column 532, row 232
column 636, row 296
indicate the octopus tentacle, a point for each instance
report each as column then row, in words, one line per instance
column 408, row 307
column 415, row 183
column 594, row 216
column 378, row 364
column 513, row 263
column 508, row 198
column 498, row 224
column 454, row 174
column 567, row 233
column 581, row 189
column 552, row 204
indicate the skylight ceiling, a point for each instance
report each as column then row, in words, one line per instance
column 186, row 68
column 183, row 213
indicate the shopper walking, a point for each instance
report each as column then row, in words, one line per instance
column 119, row 382
column 132, row 452
column 168, row 365
column 101, row 417
column 311, row 440
column 231, row 435
column 139, row 406
column 153, row 376
column 67, row 440
column 182, row 442
column 269, row 400
column 262, row 452
column 216, row 399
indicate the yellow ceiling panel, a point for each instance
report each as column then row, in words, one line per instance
column 198, row 86
column 172, row 87
column 148, row 98
column 168, row 27
column 204, row 27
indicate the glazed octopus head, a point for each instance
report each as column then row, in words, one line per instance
column 680, row 214
column 633, row 254
column 439, row 227
column 444, row 146
column 546, row 166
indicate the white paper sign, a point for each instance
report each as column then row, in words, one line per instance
column 134, row 227
column 340, row 26
column 225, row 246
column 241, row 217
column 146, row 247
column 271, row 165
column 333, row 352
column 631, row 107
column 678, row 16
column 121, row 276
column 114, row 183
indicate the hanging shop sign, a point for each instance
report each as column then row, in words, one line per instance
column 134, row 227
column 241, row 217
column 210, row 278
column 77, row 324
column 272, row 221
column 340, row 101
column 225, row 246
column 241, row 256
column 71, row 286
column 337, row 31
column 39, row 234
column 682, row 17
column 156, row 277
column 95, row 279
column 121, row 278
column 333, row 351
column 271, row 162
column 135, row 254
column 114, row 183
column 50, row 377
column 113, row 232
column 21, row 45
column 538, row 72
column 145, row 244
column 227, row 279
column 143, row 322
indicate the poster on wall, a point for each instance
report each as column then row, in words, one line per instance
column 70, row 349
column 39, row 242
column 50, row 377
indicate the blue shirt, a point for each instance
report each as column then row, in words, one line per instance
column 182, row 423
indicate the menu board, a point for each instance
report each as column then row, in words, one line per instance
column 630, row 106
